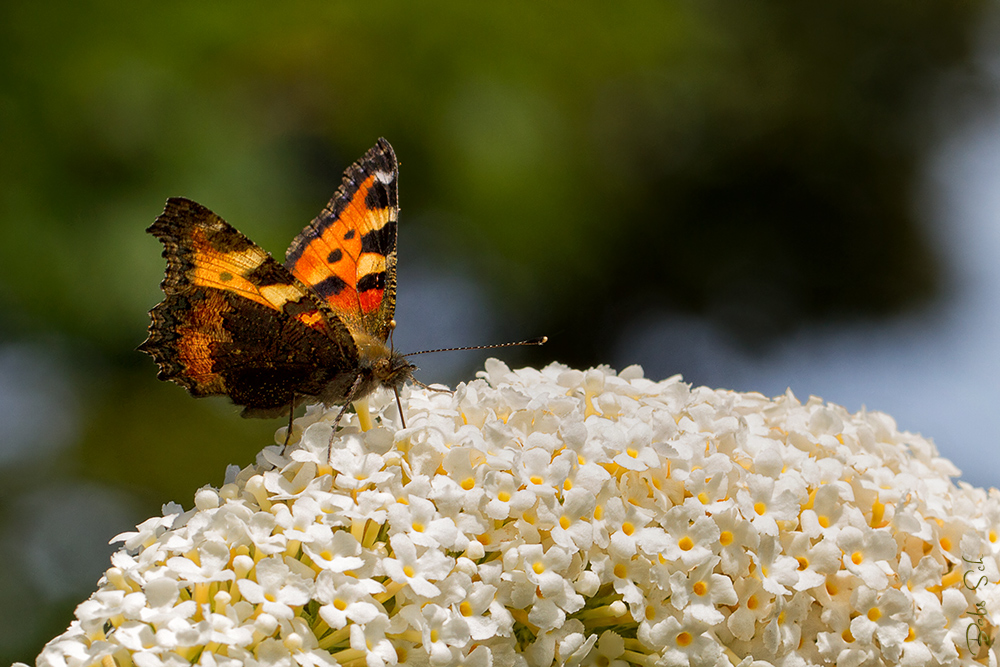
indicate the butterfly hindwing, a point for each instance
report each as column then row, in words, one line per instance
column 236, row 322
column 347, row 255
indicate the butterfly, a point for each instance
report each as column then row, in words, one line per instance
column 270, row 336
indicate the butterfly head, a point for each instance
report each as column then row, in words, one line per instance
column 393, row 370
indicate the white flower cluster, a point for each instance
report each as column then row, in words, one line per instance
column 566, row 517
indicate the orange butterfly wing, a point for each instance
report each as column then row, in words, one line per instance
column 347, row 255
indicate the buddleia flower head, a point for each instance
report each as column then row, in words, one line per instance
column 563, row 517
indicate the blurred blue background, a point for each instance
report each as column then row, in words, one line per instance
column 756, row 196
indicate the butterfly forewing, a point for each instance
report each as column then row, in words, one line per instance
column 347, row 255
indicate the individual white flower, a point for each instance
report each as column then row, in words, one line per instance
column 357, row 471
column 260, row 530
column 737, row 540
column 638, row 453
column 486, row 618
column 709, row 486
column 419, row 520
column 755, row 606
column 335, row 551
column 777, row 570
column 765, row 502
column 370, row 640
column 346, row 598
column 816, row 561
column 546, row 571
column 884, row 615
column 441, row 632
column 687, row 537
column 505, row 497
column 867, row 553
column 277, row 587
column 569, row 516
column 416, row 571
column 686, row 644
column 701, row 593
column 212, row 563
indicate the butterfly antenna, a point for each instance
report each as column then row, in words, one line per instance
column 532, row 341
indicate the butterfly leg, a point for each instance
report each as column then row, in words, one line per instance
column 399, row 404
column 343, row 409
column 430, row 388
column 291, row 416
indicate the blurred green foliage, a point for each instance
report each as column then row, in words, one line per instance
column 588, row 162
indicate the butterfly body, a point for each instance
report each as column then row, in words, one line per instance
column 236, row 322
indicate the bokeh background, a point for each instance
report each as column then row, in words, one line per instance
column 759, row 196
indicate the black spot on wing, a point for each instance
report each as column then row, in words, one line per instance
column 371, row 281
column 226, row 239
column 381, row 241
column 269, row 273
column 329, row 286
column 334, row 256
column 349, row 235
column 381, row 195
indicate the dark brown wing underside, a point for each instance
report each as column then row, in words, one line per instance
column 213, row 343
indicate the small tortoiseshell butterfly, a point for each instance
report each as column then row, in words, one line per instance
column 235, row 322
